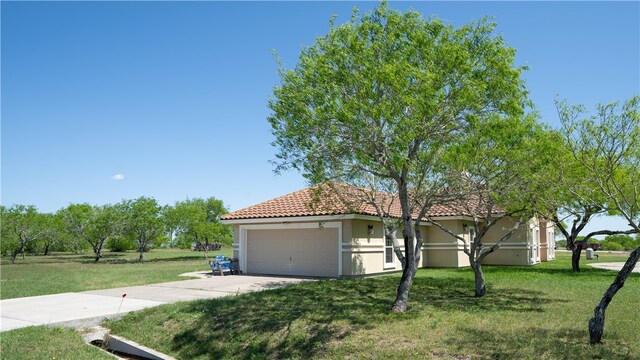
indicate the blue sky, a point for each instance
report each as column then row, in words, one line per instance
column 173, row 96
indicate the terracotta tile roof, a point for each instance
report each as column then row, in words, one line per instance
column 304, row 203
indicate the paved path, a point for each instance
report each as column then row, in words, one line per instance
column 613, row 266
column 89, row 308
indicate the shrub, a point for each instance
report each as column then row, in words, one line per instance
column 120, row 244
column 627, row 242
column 610, row 245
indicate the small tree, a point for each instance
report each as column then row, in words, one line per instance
column 498, row 176
column 56, row 236
column 94, row 224
column 172, row 219
column 22, row 225
column 383, row 95
column 143, row 221
column 607, row 146
column 577, row 198
column 199, row 220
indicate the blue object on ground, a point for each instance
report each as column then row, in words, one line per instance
column 221, row 262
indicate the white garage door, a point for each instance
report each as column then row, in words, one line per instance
column 302, row 252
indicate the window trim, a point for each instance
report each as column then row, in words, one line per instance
column 392, row 264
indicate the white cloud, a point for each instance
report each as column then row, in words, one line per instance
column 118, row 177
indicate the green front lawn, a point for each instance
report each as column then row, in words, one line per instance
column 41, row 342
column 538, row 312
column 63, row 272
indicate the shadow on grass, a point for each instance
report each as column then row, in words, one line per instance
column 300, row 321
column 563, row 343
column 132, row 260
column 585, row 271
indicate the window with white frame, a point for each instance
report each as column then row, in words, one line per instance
column 469, row 235
column 388, row 252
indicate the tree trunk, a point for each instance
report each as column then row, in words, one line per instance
column 18, row 251
column 481, row 288
column 575, row 257
column 46, row 250
column 141, row 245
column 15, row 255
column 24, row 256
column 97, row 250
column 411, row 265
column 596, row 324
column 402, row 295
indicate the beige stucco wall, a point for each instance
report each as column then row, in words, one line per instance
column 363, row 253
column 519, row 248
column 508, row 257
column 441, row 248
column 498, row 230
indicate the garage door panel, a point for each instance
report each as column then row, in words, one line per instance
column 307, row 252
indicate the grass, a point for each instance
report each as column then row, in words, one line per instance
column 40, row 342
column 536, row 312
column 63, row 272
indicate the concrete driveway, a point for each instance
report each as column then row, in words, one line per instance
column 89, row 308
column 617, row 266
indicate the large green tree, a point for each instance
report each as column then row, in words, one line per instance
column 607, row 146
column 384, row 95
column 143, row 221
column 22, row 225
column 56, row 237
column 199, row 221
column 94, row 224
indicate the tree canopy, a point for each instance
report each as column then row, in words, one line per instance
column 498, row 172
column 198, row 220
column 21, row 226
column 606, row 145
column 385, row 95
column 578, row 196
column 143, row 221
column 94, row 224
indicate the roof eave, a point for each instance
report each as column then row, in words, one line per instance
column 310, row 218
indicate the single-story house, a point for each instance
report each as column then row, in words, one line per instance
column 286, row 236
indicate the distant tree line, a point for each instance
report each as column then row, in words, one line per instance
column 139, row 224
column 620, row 242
